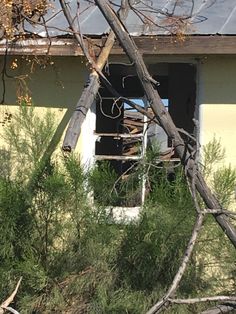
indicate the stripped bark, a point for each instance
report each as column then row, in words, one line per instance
column 86, row 100
column 91, row 88
column 10, row 299
column 163, row 116
column 221, row 308
column 218, row 298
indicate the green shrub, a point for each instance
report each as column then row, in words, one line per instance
column 72, row 255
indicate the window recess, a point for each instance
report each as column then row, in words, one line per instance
column 123, row 134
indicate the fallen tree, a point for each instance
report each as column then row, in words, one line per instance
column 187, row 155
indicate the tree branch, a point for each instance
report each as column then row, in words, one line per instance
column 9, row 300
column 175, row 283
column 91, row 88
column 163, row 116
column 204, row 299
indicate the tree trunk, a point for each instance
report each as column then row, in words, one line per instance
column 86, row 99
column 91, row 88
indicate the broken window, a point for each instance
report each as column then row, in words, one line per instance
column 124, row 134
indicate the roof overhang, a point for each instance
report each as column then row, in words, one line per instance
column 147, row 45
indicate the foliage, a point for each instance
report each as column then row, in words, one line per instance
column 221, row 178
column 73, row 256
column 213, row 153
column 218, row 255
column 27, row 138
column 15, row 12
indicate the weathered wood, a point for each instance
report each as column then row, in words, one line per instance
column 117, row 157
column 217, row 298
column 132, row 122
column 147, row 45
column 91, row 89
column 120, row 135
column 163, row 116
column 221, row 308
column 86, row 99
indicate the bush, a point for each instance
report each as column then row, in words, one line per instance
column 72, row 255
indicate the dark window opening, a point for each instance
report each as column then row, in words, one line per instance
column 123, row 134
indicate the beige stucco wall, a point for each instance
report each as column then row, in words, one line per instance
column 54, row 84
column 217, row 102
column 59, row 84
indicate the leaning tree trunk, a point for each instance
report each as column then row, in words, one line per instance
column 164, row 118
column 86, row 99
column 91, row 89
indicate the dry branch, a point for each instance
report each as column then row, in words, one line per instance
column 163, row 116
column 86, row 99
column 219, row 298
column 10, row 299
column 175, row 283
column 91, row 89
column 221, row 308
column 185, row 154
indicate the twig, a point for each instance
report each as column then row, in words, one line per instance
column 9, row 300
column 204, row 299
column 175, row 283
column 195, row 169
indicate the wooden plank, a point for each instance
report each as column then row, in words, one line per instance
column 148, row 45
column 115, row 157
column 130, row 122
column 42, row 46
column 120, row 135
column 191, row 45
column 131, row 151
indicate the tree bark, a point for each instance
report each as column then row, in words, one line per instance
column 91, row 88
column 86, row 99
column 163, row 116
column 219, row 309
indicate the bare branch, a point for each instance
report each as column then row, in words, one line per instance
column 10, row 299
column 91, row 89
column 221, row 308
column 204, row 299
column 175, row 283
column 163, row 116
column 10, row 309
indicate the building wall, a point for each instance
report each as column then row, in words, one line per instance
column 217, row 101
column 54, row 83
column 58, row 82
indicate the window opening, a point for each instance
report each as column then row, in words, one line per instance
column 122, row 143
column 123, row 134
